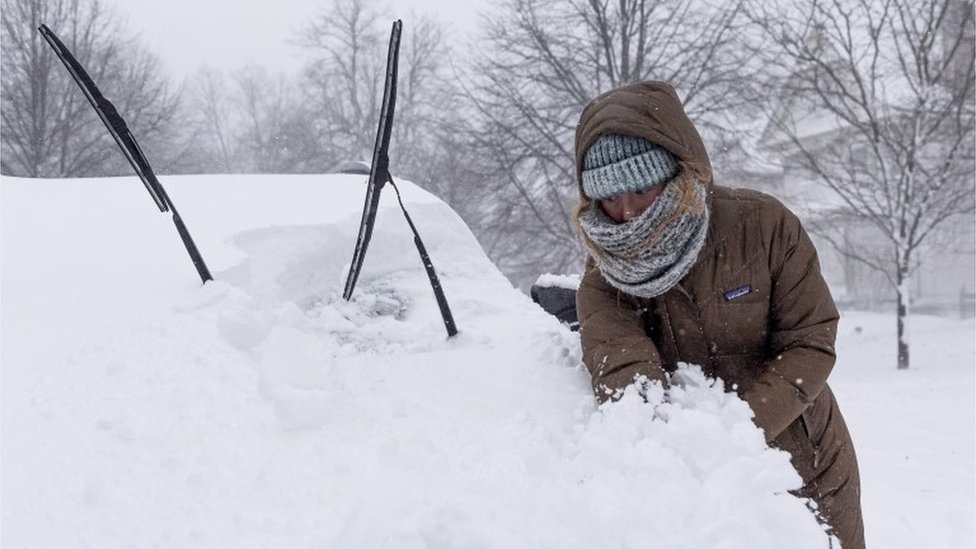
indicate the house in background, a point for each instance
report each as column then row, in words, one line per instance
column 943, row 276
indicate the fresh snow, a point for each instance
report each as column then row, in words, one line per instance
column 141, row 409
column 549, row 280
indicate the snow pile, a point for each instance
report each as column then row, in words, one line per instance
column 262, row 410
column 549, row 280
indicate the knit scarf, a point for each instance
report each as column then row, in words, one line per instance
column 649, row 254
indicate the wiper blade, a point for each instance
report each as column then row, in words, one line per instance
column 127, row 143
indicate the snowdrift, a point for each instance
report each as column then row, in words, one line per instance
column 261, row 410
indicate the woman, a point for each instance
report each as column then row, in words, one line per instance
column 682, row 270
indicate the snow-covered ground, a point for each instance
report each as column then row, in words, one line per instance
column 140, row 409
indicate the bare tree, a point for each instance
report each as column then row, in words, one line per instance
column 277, row 134
column 49, row 130
column 344, row 87
column 346, row 75
column 429, row 111
column 879, row 109
column 544, row 61
column 253, row 122
column 212, row 105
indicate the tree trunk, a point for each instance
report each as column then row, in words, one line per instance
column 902, row 290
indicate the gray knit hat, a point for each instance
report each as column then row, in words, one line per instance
column 617, row 164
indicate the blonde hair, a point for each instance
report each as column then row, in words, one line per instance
column 690, row 175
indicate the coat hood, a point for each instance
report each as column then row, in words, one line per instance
column 651, row 110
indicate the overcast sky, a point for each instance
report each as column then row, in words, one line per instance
column 187, row 34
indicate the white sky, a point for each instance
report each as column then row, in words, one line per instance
column 226, row 34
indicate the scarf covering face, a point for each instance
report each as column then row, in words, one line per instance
column 649, row 254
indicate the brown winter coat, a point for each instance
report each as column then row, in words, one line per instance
column 774, row 344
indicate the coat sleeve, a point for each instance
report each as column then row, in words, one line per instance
column 803, row 328
column 616, row 348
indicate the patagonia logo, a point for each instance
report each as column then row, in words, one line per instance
column 737, row 292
